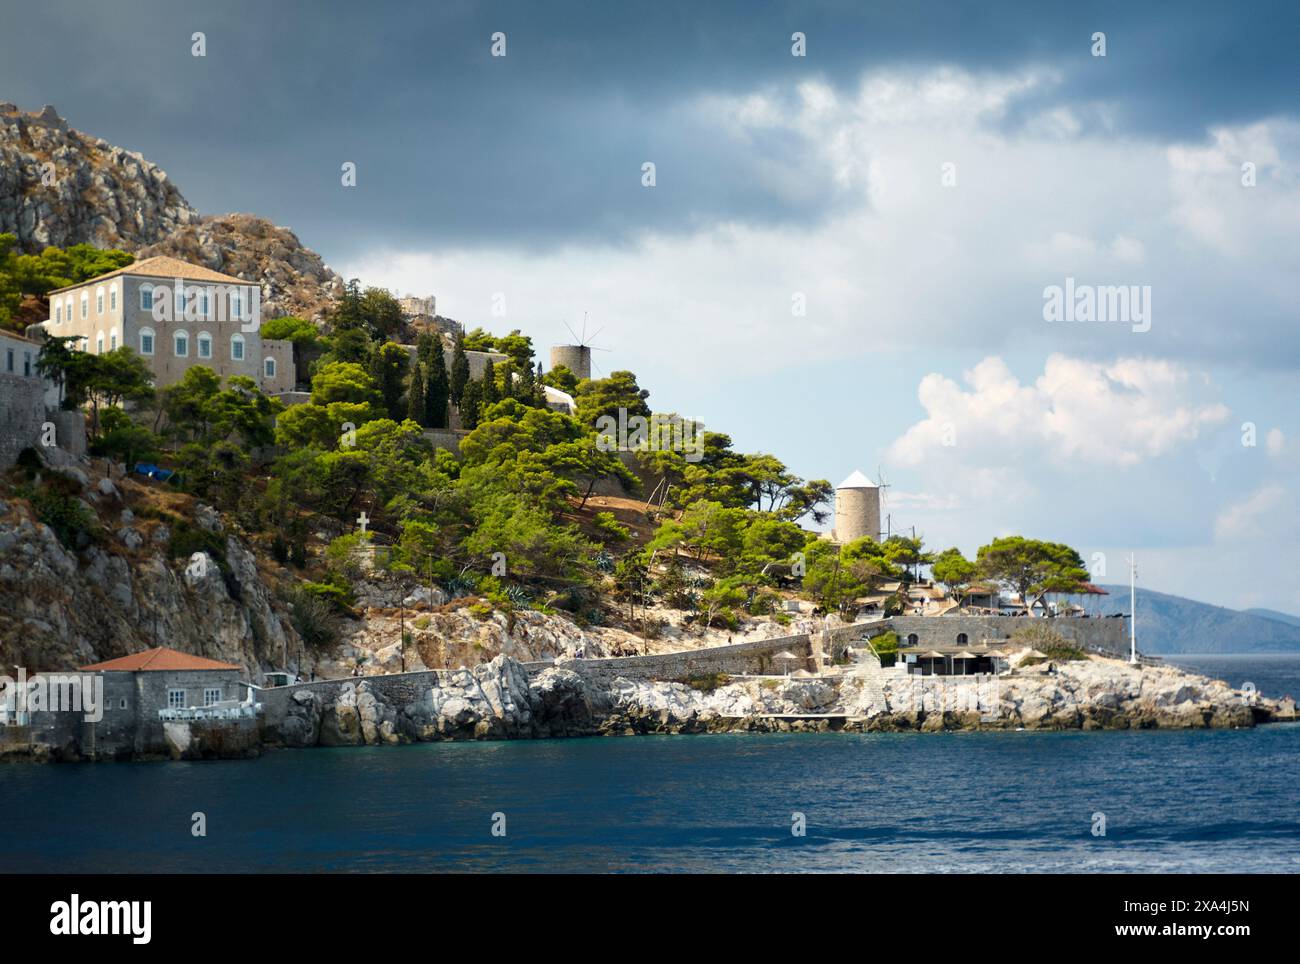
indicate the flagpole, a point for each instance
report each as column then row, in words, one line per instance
column 1132, row 609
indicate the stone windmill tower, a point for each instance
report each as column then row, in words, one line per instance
column 576, row 357
column 857, row 509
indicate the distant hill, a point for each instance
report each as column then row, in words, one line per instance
column 1274, row 614
column 1174, row 624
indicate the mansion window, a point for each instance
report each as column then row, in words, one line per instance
column 146, row 341
column 146, row 297
column 211, row 695
column 182, row 344
column 58, row 314
column 112, row 340
column 175, row 699
column 205, row 345
column 85, row 306
column 112, row 298
column 9, row 359
column 237, row 347
column 99, row 344
column 269, row 367
column 99, row 302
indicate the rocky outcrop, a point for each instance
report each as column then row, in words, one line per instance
column 497, row 700
column 123, row 592
column 61, row 187
column 294, row 279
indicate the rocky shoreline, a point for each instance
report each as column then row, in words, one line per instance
column 498, row 700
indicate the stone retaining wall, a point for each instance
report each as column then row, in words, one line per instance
column 1098, row 634
column 22, row 413
column 735, row 659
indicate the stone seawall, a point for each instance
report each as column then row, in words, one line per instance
column 394, row 688
column 756, row 657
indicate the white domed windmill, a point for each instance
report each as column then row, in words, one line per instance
column 857, row 509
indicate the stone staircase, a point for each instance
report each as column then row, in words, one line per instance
column 870, row 676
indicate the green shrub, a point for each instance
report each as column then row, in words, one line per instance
column 886, row 647
column 279, row 549
column 609, row 528
column 341, row 554
column 74, row 525
column 187, row 538
column 332, row 591
column 314, row 617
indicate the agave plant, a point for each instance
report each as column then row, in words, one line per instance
column 458, row 585
column 518, row 597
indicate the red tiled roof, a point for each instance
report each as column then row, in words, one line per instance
column 154, row 660
column 162, row 267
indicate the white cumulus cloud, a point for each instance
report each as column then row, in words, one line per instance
column 1112, row 413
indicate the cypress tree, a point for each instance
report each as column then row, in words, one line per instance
column 539, row 387
column 459, row 371
column 435, row 388
column 490, row 393
column 526, row 391
column 507, row 379
column 387, row 367
column 470, row 402
column 424, row 347
column 415, row 407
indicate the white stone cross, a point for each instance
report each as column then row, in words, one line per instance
column 362, row 520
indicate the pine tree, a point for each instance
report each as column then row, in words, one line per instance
column 435, row 388
column 507, row 379
column 459, row 371
column 415, row 407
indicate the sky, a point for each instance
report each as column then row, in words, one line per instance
column 847, row 258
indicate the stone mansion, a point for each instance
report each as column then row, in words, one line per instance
column 174, row 315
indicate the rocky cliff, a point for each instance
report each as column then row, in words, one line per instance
column 62, row 187
column 59, row 186
column 127, row 591
column 295, row 281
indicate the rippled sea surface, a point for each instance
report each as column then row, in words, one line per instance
column 1173, row 801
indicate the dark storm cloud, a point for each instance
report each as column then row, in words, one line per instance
column 544, row 147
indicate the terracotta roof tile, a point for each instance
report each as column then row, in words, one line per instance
column 164, row 267
column 158, row 660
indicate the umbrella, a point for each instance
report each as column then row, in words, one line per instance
column 787, row 655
